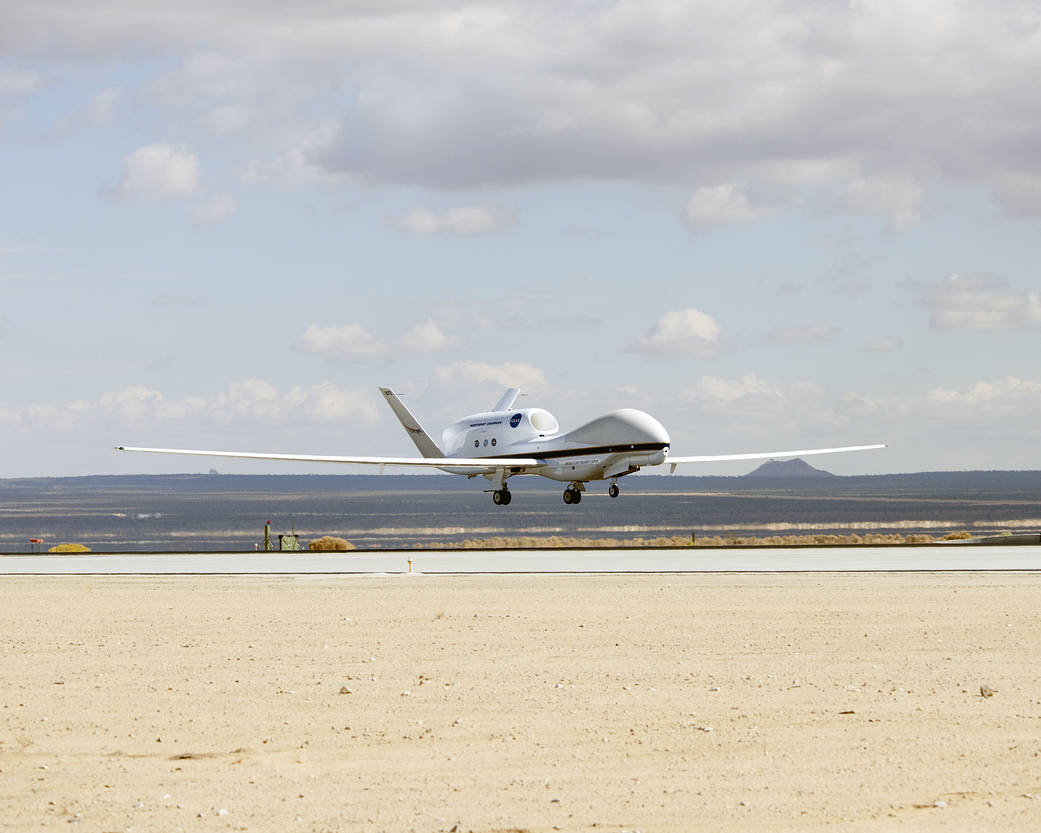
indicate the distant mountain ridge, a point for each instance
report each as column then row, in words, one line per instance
column 789, row 468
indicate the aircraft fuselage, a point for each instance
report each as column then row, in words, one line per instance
column 613, row 445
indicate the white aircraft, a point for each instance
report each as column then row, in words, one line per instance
column 507, row 441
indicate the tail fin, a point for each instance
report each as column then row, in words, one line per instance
column 506, row 400
column 427, row 447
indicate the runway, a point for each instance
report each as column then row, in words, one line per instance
column 396, row 562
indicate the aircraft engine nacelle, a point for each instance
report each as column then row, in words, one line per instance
column 483, row 435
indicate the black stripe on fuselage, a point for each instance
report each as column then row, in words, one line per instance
column 556, row 454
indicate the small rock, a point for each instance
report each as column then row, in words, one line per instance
column 344, row 690
column 987, row 691
column 939, row 804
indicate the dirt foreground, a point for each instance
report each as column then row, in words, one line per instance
column 536, row 703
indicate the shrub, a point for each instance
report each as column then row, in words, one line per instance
column 328, row 542
column 69, row 548
column 960, row 535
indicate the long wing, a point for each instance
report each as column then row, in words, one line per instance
column 766, row 455
column 424, row 462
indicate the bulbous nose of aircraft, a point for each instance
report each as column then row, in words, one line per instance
column 644, row 427
column 625, row 427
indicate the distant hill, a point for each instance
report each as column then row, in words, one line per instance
column 789, row 468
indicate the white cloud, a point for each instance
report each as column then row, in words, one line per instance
column 218, row 207
column 977, row 303
column 807, row 334
column 886, row 344
column 243, row 403
column 228, row 118
column 346, row 341
column 353, row 341
column 717, row 204
column 99, row 110
column 17, row 82
column 467, row 220
column 298, row 167
column 1019, row 194
column 426, row 337
column 157, row 172
column 682, row 332
column 1010, row 391
column 509, row 374
column 715, row 389
column 452, row 95
column 899, row 200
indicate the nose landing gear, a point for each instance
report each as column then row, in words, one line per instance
column 613, row 490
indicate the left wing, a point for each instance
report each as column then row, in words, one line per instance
column 423, row 462
column 766, row 455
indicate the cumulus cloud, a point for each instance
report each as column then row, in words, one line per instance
column 298, row 166
column 509, row 374
column 426, row 337
column 353, row 341
column 717, row 204
column 873, row 99
column 18, row 82
column 682, row 332
column 886, row 344
column 1019, row 194
column 228, row 118
column 716, row 389
column 99, row 110
column 1010, row 390
column 976, row 303
column 245, row 402
column 467, row 220
column 157, row 172
column 897, row 199
column 216, row 208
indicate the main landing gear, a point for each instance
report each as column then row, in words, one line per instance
column 572, row 494
column 501, row 497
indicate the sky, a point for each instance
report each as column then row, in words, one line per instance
column 771, row 225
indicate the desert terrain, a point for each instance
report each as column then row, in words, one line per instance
column 892, row 701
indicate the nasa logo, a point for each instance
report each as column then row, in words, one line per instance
column 515, row 420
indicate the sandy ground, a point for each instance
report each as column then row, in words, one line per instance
column 494, row 703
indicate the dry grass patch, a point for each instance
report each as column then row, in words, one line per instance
column 330, row 543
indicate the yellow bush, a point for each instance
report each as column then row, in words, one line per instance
column 69, row 548
column 961, row 535
column 328, row 542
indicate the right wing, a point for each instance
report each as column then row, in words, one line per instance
column 422, row 462
column 766, row 455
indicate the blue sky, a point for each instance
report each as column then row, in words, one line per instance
column 770, row 225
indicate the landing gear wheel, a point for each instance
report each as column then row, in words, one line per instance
column 613, row 491
column 502, row 497
column 572, row 495
column 568, row 492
